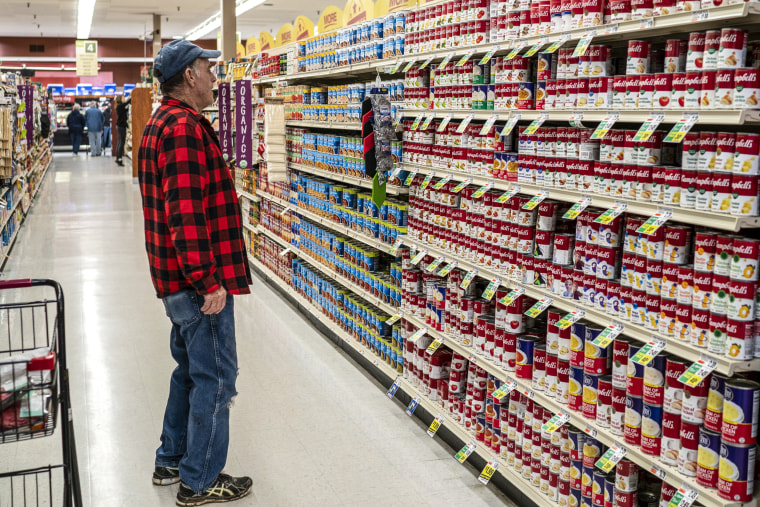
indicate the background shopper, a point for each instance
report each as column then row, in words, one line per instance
column 198, row 260
column 94, row 122
column 107, row 126
column 75, row 122
column 122, row 124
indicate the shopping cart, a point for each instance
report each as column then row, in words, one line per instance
column 34, row 388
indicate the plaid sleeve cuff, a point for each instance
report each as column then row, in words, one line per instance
column 206, row 285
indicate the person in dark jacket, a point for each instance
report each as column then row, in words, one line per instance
column 122, row 116
column 75, row 122
column 107, row 126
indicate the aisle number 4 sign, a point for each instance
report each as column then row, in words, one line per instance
column 87, row 57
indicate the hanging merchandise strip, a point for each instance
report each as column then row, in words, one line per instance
column 437, row 423
column 681, row 128
column 488, row 471
column 648, row 351
column 605, row 125
column 697, row 372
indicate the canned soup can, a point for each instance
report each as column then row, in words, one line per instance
column 736, row 472
column 740, row 411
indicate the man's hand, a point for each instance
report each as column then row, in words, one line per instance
column 214, row 302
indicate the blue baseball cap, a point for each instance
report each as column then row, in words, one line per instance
column 178, row 54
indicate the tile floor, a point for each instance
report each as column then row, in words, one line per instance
column 309, row 426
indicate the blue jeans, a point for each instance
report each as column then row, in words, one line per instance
column 106, row 137
column 95, row 138
column 196, row 430
column 76, row 140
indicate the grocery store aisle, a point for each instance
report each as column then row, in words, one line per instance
column 308, row 426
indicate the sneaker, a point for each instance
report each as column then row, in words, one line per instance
column 164, row 476
column 224, row 489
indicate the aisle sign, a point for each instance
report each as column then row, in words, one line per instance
column 243, row 123
column 491, row 289
column 684, row 497
column 541, row 305
column 417, row 121
column 427, row 180
column 463, row 126
column 427, row 62
column 409, row 66
column 698, row 371
column 396, row 245
column 393, row 388
column 577, row 208
column 512, row 296
column 434, row 265
column 412, row 406
column 394, row 318
column 611, row 458
column 584, row 43
column 434, row 345
column 557, row 44
column 437, row 422
column 648, row 351
column 536, row 124
column 418, row 334
column 487, row 57
column 466, row 57
column 488, row 471
column 655, row 222
column 511, row 122
column 471, row 274
column 681, row 128
column 536, row 200
column 225, row 120
column 428, row 120
column 605, row 125
column 571, row 318
column 465, row 451
column 503, row 391
column 461, row 185
column 447, row 268
column 608, row 334
column 648, row 127
column 532, row 51
column 444, row 123
column 556, row 422
column 87, row 57
column 489, row 123
column 482, row 190
column 410, row 177
column 439, row 185
column 611, row 214
column 508, row 194
column 420, row 255
column 445, row 61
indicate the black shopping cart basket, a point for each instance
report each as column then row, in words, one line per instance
column 34, row 391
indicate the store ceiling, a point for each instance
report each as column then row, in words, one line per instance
column 132, row 18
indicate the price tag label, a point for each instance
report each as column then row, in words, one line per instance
column 503, row 390
column 536, row 200
column 463, row 126
column 648, row 127
column 610, row 29
column 648, row 351
column 393, row 388
column 410, row 177
column 439, row 185
column 445, row 61
column 394, row 318
column 434, row 265
column 487, row 57
column 658, row 472
column 396, row 245
column 577, row 208
column 684, row 497
column 461, row 185
column 444, row 123
column 698, row 371
column 427, row 180
column 682, row 127
column 417, row 121
column 412, row 406
column 571, row 318
column 482, row 190
column 516, row 50
column 284, row 252
column 591, row 431
column 534, row 49
column 556, row 421
column 530, row 394
column 513, row 191
column 646, row 23
column 655, row 222
column 284, row 210
column 605, row 125
column 558, row 43
column 702, row 15
column 420, row 255
column 511, row 122
column 575, row 119
column 488, row 471
column 409, row 66
column 396, row 67
column 611, row 214
column 435, row 345
column 584, row 43
column 396, row 171
column 468, row 278
column 466, row 57
column 611, row 458
column 489, row 124
column 608, row 334
column 427, row 62
column 491, row 288
column 465, row 451
column 536, row 124
column 428, row 120
column 418, row 334
column 437, row 422
column 538, row 308
column 447, row 268
column 512, row 296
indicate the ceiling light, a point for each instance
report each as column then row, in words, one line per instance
column 215, row 21
column 84, row 18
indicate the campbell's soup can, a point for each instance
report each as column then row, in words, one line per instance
column 620, row 348
column 625, row 498
column 669, row 284
column 718, row 333
column 741, row 300
column 712, row 47
column 668, row 317
column 740, row 411
column 708, row 458
column 677, row 244
column 667, row 492
column 747, row 88
column 736, row 472
column 590, row 395
column 739, row 339
column 617, row 414
column 670, row 444
column 725, row 89
column 687, row 457
column 695, row 52
column 675, row 55
column 744, row 200
column 638, row 57
column 604, row 401
column 746, row 154
column 575, row 388
column 720, row 200
column 674, row 393
column 524, row 357
column 695, row 402
column 627, row 476
column 635, row 375
column 733, row 48
column 715, row 395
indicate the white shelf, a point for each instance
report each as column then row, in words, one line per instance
column 359, row 182
column 432, row 408
column 367, row 240
column 688, row 216
column 248, row 196
column 248, row 226
column 356, row 127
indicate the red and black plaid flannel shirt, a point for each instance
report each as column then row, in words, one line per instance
column 193, row 230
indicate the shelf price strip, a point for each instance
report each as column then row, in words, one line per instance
column 611, row 214
column 556, row 421
column 396, row 245
column 538, row 308
column 471, row 274
column 611, row 458
column 393, row 388
column 655, row 222
column 536, row 200
column 410, row 177
column 511, row 122
column 420, row 255
column 445, row 61
column 427, row 62
column 512, row 296
column 489, row 123
column 584, row 43
column 684, row 497
column 447, row 268
column 463, row 126
column 417, row 121
column 648, row 351
column 577, row 208
column 488, row 471
column 516, row 50
column 435, row 345
column 702, row 15
column 571, row 318
column 412, row 406
column 534, row 49
column 487, row 57
column 461, row 185
column 428, row 120
column 536, row 124
column 394, row 318
column 418, row 334
column 503, row 391
column 444, row 123
column 491, row 288
column 482, row 190
column 466, row 57
column 437, row 423
column 508, row 194
column 681, row 128
column 648, row 127
column 465, row 451
column 608, row 334
column 698, row 371
column 439, row 185
column 557, row 44
column 434, row 265
column 396, row 67
column 605, row 125
column 409, row 65
column 427, row 180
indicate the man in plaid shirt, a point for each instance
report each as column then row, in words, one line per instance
column 197, row 256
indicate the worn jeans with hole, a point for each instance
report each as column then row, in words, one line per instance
column 196, row 432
